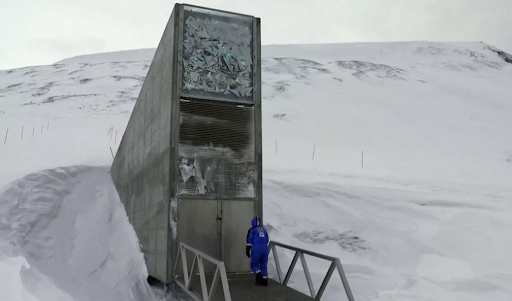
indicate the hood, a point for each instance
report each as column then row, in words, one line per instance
column 255, row 221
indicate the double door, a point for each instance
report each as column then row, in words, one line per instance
column 217, row 228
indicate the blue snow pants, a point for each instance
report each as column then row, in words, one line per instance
column 259, row 260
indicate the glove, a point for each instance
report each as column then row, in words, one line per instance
column 248, row 251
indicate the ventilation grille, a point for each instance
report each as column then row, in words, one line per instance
column 216, row 150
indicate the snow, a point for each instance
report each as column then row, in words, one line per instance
column 70, row 227
column 393, row 157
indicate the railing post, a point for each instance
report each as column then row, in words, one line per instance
column 215, row 283
column 202, row 277
column 308, row 275
column 185, row 268
column 290, row 269
column 325, row 281
column 192, row 270
column 177, row 260
column 344, row 280
column 278, row 264
column 225, row 283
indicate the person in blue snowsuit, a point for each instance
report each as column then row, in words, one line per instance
column 257, row 250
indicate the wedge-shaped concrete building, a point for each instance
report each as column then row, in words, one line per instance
column 188, row 168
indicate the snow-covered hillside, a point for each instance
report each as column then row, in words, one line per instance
column 394, row 157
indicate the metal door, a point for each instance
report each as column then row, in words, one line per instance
column 235, row 222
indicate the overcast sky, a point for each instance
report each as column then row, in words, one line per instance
column 39, row 32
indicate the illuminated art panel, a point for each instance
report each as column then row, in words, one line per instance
column 217, row 55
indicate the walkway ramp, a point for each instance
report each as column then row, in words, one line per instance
column 201, row 286
column 242, row 288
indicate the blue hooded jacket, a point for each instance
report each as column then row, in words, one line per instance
column 257, row 236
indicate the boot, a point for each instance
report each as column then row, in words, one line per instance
column 259, row 279
column 264, row 282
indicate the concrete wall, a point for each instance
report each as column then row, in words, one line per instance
column 141, row 167
column 148, row 167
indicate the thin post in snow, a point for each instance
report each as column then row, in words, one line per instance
column 33, row 130
column 6, row 133
column 112, row 152
column 313, row 156
column 115, row 141
column 22, row 132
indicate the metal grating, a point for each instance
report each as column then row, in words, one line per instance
column 216, row 150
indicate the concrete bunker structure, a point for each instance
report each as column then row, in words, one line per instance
column 189, row 165
column 188, row 169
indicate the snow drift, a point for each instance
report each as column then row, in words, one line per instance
column 393, row 157
column 75, row 236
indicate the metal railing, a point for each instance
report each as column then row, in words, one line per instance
column 299, row 253
column 220, row 272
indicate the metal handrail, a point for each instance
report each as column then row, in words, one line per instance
column 299, row 253
column 220, row 272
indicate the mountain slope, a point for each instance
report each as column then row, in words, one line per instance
column 393, row 157
column 404, row 104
